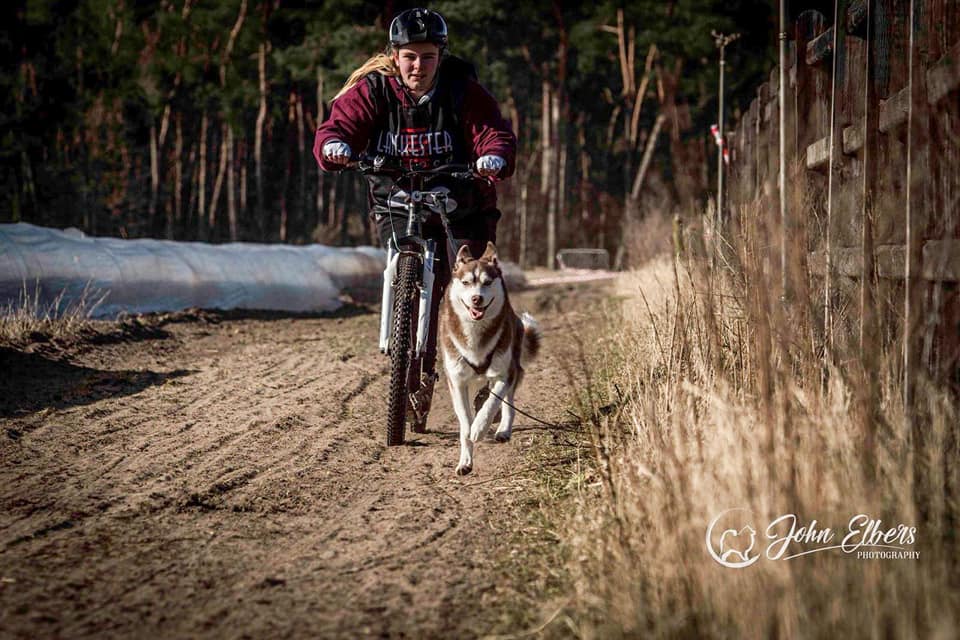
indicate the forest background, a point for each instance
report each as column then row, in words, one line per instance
column 194, row 120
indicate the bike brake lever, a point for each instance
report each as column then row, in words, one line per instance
column 365, row 162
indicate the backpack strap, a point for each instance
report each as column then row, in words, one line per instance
column 379, row 91
column 456, row 73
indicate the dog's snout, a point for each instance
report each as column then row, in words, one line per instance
column 477, row 301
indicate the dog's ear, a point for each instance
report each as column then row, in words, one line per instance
column 463, row 256
column 490, row 255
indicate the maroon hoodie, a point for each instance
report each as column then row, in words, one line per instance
column 458, row 123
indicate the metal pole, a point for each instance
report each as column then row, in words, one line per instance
column 828, row 274
column 721, row 41
column 723, row 64
column 783, row 149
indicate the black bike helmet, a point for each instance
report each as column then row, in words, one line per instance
column 418, row 25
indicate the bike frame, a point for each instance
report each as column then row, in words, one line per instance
column 426, row 253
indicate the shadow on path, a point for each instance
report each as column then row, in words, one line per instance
column 30, row 382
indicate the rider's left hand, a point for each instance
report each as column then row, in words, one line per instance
column 490, row 165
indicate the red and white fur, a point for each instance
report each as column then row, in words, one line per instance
column 483, row 342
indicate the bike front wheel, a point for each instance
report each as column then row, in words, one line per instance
column 408, row 271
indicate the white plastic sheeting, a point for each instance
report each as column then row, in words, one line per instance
column 140, row 276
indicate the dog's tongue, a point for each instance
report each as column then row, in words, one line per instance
column 475, row 313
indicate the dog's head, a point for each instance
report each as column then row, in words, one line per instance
column 476, row 287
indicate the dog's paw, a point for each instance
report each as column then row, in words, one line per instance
column 463, row 469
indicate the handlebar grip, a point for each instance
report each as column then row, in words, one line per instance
column 390, row 166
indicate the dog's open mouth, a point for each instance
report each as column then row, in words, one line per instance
column 476, row 312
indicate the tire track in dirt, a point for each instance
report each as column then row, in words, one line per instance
column 252, row 494
column 234, row 400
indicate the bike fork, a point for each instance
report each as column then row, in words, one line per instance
column 426, row 297
column 387, row 297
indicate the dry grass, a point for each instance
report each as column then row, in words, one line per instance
column 730, row 397
column 29, row 319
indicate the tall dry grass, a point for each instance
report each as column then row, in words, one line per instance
column 721, row 393
column 30, row 318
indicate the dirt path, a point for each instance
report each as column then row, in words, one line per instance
column 225, row 476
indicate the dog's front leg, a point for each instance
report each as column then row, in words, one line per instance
column 489, row 409
column 459, row 394
column 505, row 430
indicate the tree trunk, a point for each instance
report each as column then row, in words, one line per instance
column 231, row 187
column 584, row 181
column 190, row 220
column 525, row 178
column 546, row 160
column 242, row 161
column 228, row 50
column 545, row 137
column 218, row 183
column 522, row 196
column 154, row 177
column 258, row 135
column 554, row 186
column 291, row 226
column 348, row 201
column 321, row 116
column 332, row 202
column 562, row 181
column 301, row 156
column 202, row 229
column 177, row 176
column 633, row 136
column 633, row 197
column 226, row 144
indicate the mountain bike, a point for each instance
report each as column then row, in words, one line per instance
column 408, row 281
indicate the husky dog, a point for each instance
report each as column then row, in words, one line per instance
column 484, row 344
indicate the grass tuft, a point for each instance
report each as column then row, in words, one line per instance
column 28, row 319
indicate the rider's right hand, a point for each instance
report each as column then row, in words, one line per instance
column 337, row 152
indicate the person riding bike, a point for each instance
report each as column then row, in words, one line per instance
column 421, row 106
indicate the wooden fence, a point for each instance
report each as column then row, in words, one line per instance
column 872, row 165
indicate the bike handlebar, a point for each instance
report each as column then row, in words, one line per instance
column 381, row 166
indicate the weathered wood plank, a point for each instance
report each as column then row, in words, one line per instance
column 818, row 154
column 812, row 84
column 941, row 259
column 857, row 18
column 890, row 261
column 891, row 37
column 942, row 79
column 820, row 48
column 894, row 110
column 944, row 19
column 944, row 76
column 771, row 109
column 853, row 138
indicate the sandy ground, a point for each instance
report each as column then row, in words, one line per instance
column 224, row 475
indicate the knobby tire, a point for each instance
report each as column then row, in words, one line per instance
column 400, row 336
